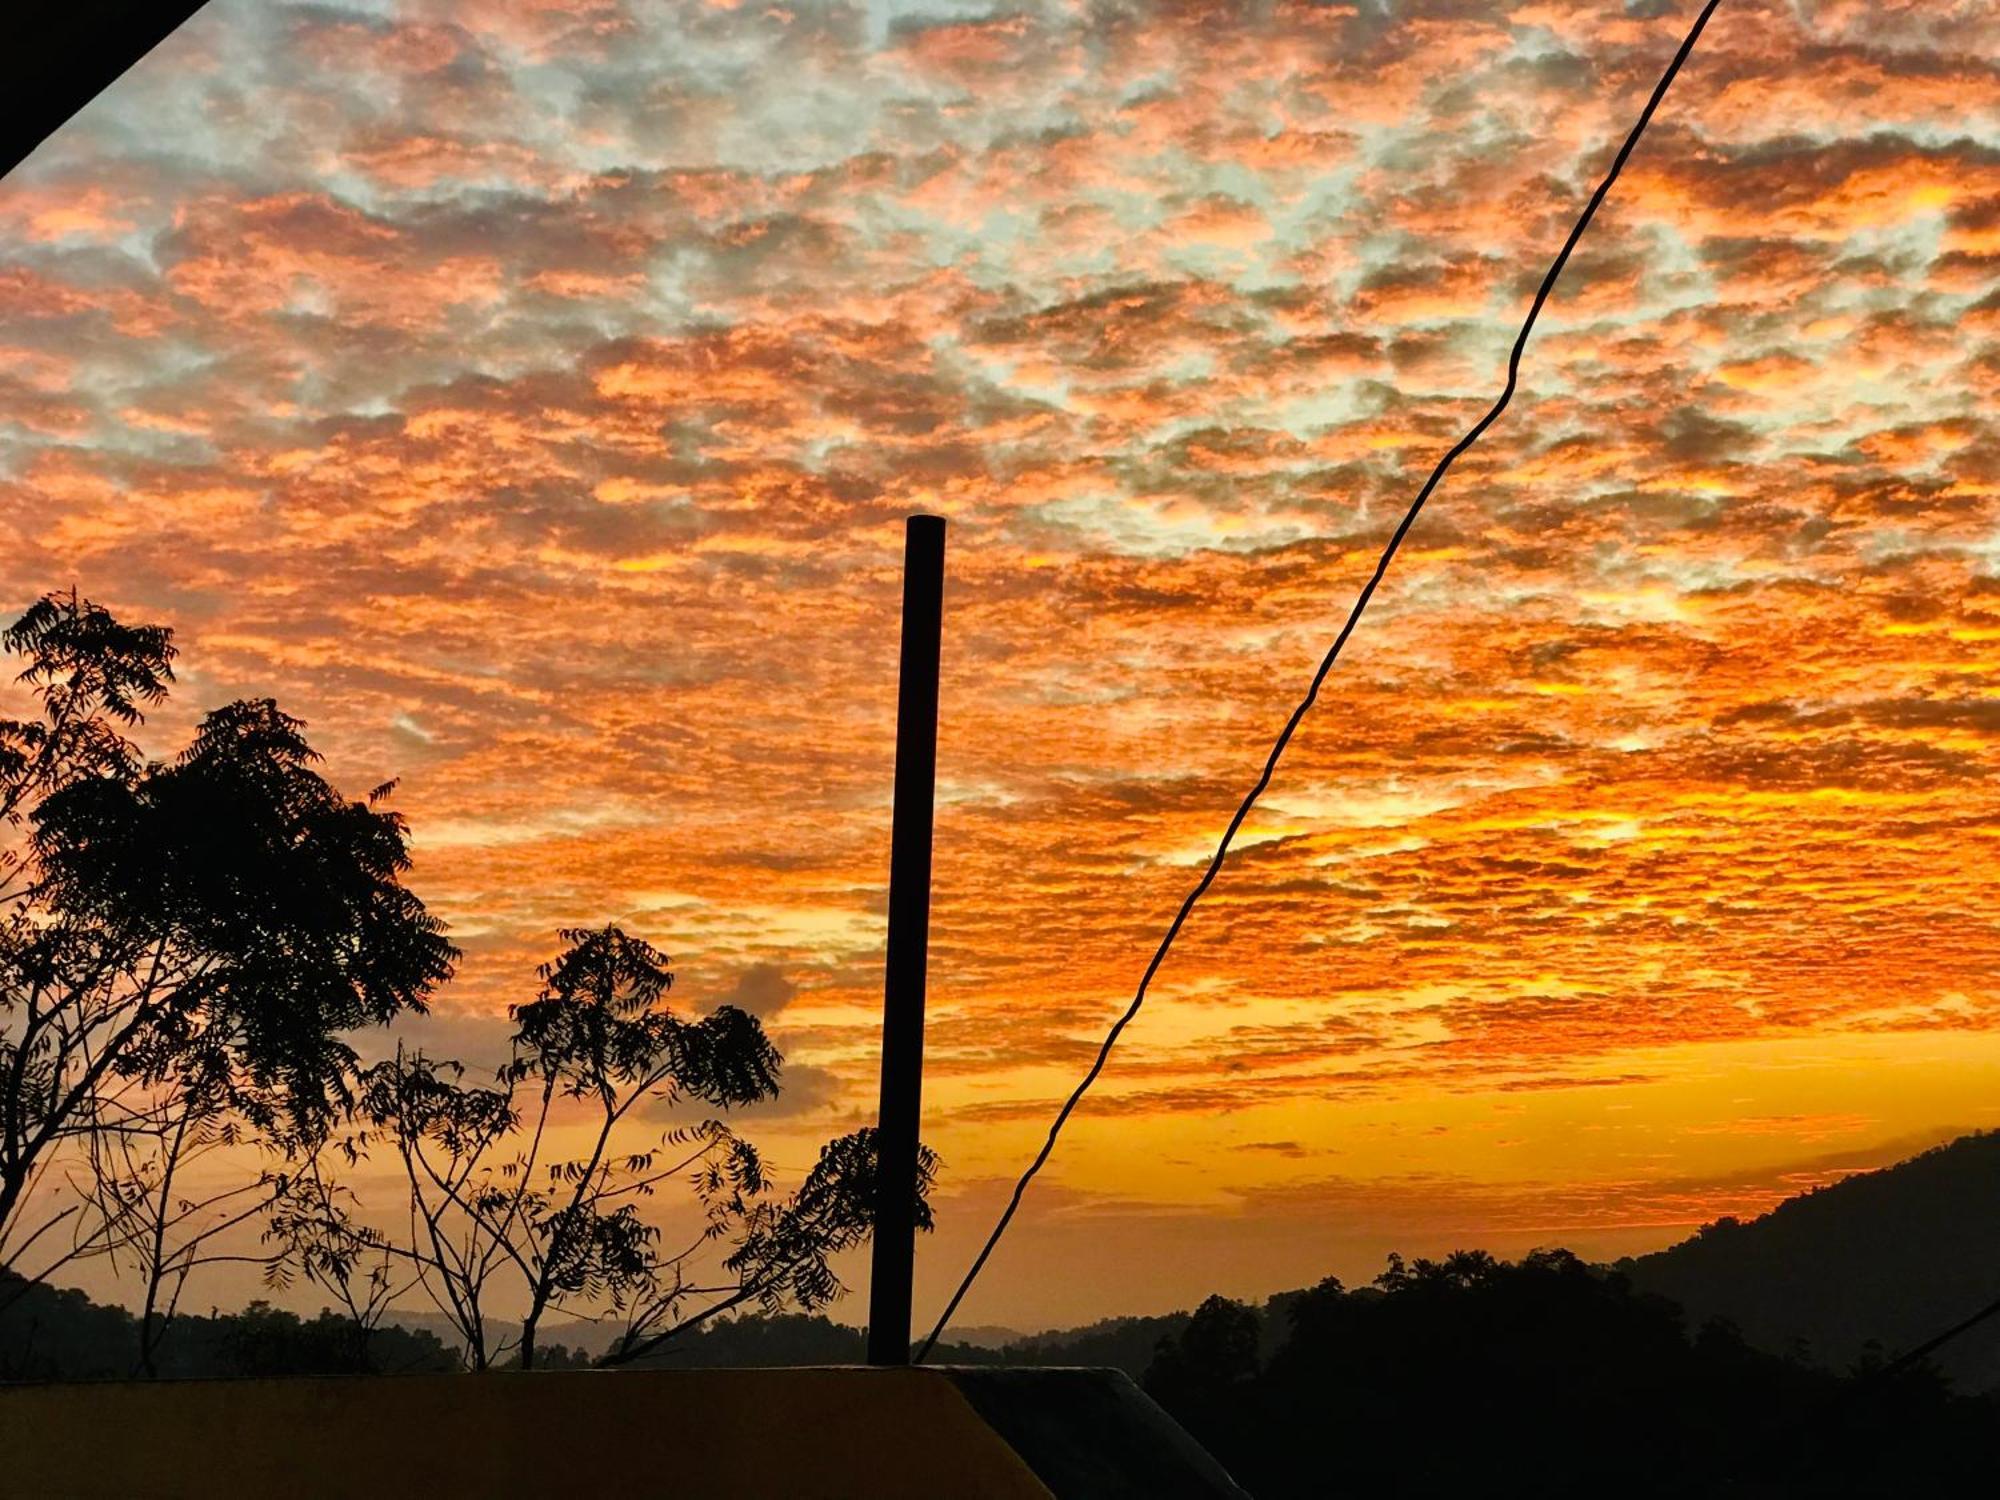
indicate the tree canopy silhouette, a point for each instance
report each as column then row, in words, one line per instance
column 183, row 944
column 493, row 1205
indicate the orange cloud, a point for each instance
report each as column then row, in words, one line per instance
column 528, row 394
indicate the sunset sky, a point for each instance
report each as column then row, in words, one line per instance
column 527, row 394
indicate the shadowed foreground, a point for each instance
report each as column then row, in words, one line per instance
column 814, row 1434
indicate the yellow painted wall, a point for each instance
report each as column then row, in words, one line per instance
column 820, row 1434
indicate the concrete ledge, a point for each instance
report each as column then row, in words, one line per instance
column 815, row 1434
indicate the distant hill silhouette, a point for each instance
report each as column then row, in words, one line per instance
column 1120, row 1343
column 1892, row 1257
column 793, row 1339
column 579, row 1335
column 58, row 1333
column 987, row 1335
column 757, row 1340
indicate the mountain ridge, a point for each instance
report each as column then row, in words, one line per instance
column 1886, row 1258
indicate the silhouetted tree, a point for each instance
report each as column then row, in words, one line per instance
column 782, row 1248
column 316, row 1231
column 488, row 1206
column 182, row 944
column 157, row 1229
column 1215, row 1351
column 1203, row 1372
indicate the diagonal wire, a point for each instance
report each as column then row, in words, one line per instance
column 1325, row 666
column 1928, row 1347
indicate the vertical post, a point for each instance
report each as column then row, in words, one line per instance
column 909, row 941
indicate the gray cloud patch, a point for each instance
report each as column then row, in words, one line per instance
column 762, row 990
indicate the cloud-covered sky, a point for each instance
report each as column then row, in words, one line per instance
column 528, row 394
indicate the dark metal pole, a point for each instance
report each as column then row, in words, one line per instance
column 909, row 941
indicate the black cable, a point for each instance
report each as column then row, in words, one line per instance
column 1820, row 1435
column 1928, row 1347
column 1325, row 666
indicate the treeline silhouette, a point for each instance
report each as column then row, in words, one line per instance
column 47, row 1333
column 1126, row 1344
column 1550, row 1377
column 54, row 1333
column 1468, row 1375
